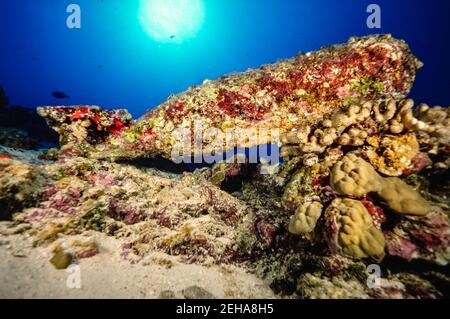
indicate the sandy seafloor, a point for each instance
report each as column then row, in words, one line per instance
column 25, row 272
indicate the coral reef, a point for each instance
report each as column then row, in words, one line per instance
column 80, row 128
column 353, row 216
column 291, row 93
column 381, row 131
column 396, row 141
column 183, row 215
column 364, row 182
column 320, row 264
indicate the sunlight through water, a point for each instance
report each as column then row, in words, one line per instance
column 171, row 21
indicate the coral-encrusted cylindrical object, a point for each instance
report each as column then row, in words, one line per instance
column 287, row 94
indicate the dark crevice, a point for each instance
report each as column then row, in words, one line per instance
column 164, row 165
column 235, row 183
column 423, row 269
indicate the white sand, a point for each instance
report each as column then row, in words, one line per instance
column 25, row 272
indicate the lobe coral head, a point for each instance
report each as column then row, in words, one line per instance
column 290, row 93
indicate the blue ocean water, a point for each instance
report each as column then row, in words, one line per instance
column 113, row 62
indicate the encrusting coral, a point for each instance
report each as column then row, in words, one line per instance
column 392, row 154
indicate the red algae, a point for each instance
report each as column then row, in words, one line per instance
column 4, row 156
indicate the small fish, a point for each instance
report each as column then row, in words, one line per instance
column 172, row 36
column 60, row 95
column 99, row 66
column 248, row 55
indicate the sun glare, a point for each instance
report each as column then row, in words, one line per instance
column 171, row 20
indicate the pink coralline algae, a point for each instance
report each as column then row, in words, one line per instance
column 418, row 163
column 376, row 212
column 427, row 237
column 102, row 179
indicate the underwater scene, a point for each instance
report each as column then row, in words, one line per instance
column 238, row 149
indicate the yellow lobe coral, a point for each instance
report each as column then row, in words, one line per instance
column 354, row 176
column 305, row 218
column 402, row 198
column 356, row 234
